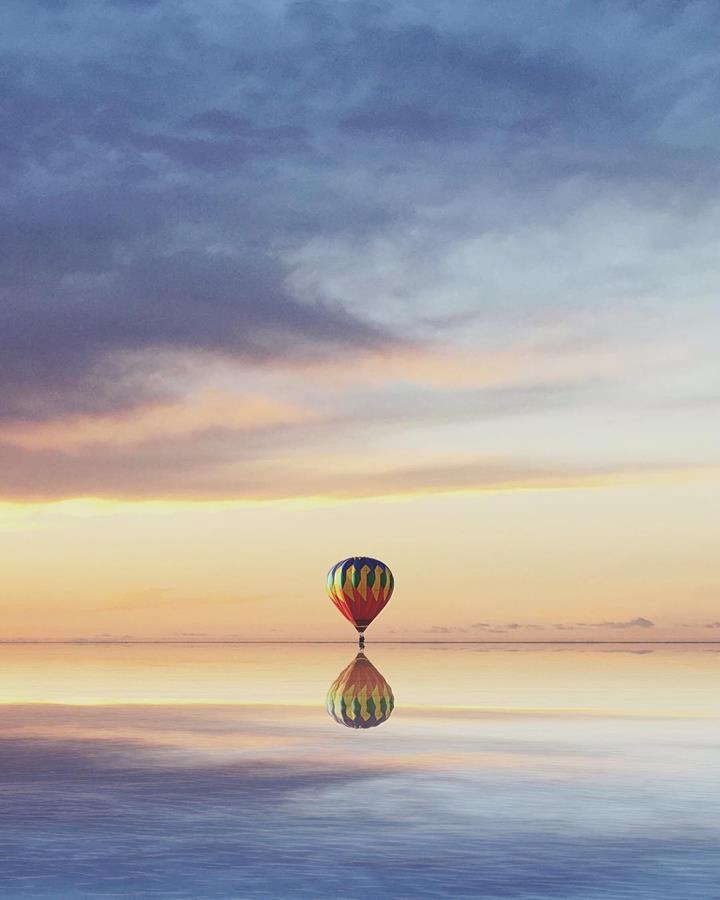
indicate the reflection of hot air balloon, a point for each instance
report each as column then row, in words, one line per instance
column 360, row 697
column 360, row 587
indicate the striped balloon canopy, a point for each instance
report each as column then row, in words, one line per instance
column 360, row 697
column 360, row 587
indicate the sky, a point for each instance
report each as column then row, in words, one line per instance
column 285, row 282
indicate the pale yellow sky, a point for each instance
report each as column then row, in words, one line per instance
column 504, row 565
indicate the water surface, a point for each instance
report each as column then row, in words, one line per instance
column 215, row 771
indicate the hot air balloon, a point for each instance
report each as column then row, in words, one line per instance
column 360, row 697
column 360, row 587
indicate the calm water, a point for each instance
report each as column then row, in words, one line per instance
column 217, row 771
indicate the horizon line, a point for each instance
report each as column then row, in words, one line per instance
column 89, row 641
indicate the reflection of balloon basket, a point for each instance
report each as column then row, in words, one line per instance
column 360, row 697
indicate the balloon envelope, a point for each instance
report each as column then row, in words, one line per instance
column 360, row 697
column 360, row 587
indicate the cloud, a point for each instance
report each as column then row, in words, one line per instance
column 483, row 628
column 529, row 631
column 444, row 196
column 504, row 629
column 95, row 347
column 118, row 236
column 216, row 465
column 639, row 622
column 197, row 414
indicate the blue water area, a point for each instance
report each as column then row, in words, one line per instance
column 273, row 800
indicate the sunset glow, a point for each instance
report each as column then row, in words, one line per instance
column 439, row 286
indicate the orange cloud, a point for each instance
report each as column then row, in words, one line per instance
column 448, row 367
column 201, row 412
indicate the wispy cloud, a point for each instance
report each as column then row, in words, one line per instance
column 216, row 467
column 639, row 622
column 169, row 421
column 513, row 628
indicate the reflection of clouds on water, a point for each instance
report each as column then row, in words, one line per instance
column 254, row 802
